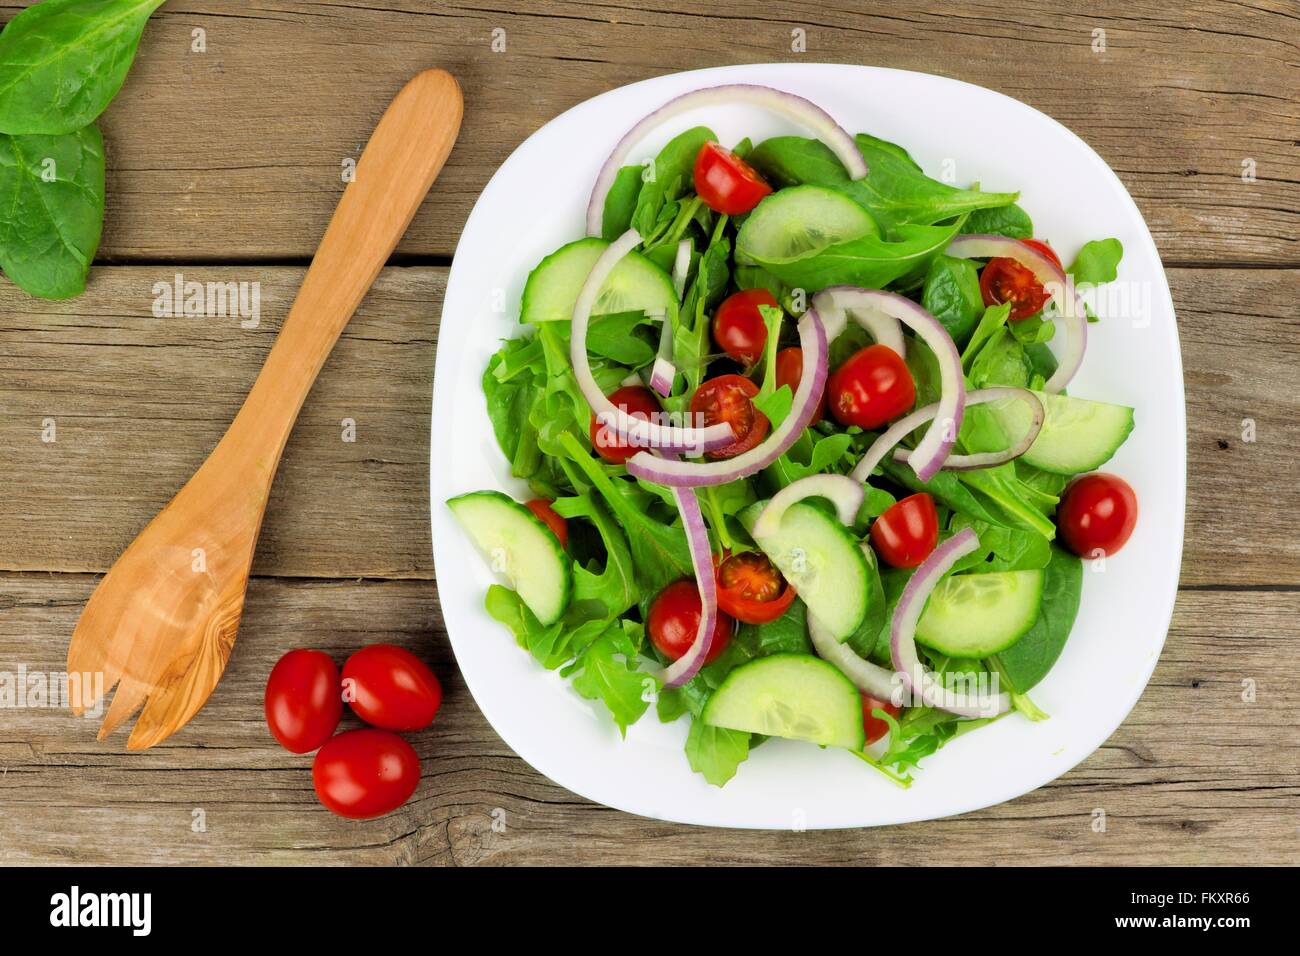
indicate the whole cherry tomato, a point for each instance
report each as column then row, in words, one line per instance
column 907, row 532
column 726, row 182
column 674, row 619
column 365, row 773
column 1097, row 514
column 389, row 687
column 870, row 388
column 636, row 401
column 738, row 326
column 303, row 702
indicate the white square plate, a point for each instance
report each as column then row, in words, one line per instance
column 536, row 202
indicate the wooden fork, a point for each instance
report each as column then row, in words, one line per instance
column 161, row 624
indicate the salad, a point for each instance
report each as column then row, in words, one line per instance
column 802, row 457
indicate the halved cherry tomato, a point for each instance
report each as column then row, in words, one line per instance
column 907, row 532
column 389, row 687
column 541, row 507
column 738, row 326
column 635, row 400
column 726, row 182
column 728, row 398
column 303, row 701
column 751, row 589
column 1039, row 246
column 1097, row 514
column 674, row 618
column 871, row 387
column 365, row 773
column 789, row 371
column 1005, row 280
column 874, row 726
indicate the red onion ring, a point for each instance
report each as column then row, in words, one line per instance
column 1055, row 282
column 691, row 474
column 932, row 450
column 681, row 264
column 906, row 425
column 843, row 492
column 833, row 307
column 786, row 104
column 697, row 537
column 870, row 678
column 902, row 633
column 635, row 431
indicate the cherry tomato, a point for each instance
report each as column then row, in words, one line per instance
column 751, row 589
column 541, row 507
column 1039, row 246
column 1097, row 514
column 303, row 703
column 1005, row 280
column 675, row 617
column 874, row 726
column 727, row 398
column 738, row 326
column 871, row 387
column 907, row 532
column 789, row 371
column 365, row 773
column 636, row 401
column 726, row 182
column 389, row 687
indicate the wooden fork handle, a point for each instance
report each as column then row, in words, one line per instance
column 399, row 164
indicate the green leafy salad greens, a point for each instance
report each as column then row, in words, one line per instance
column 626, row 538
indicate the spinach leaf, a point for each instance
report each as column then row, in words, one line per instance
column 1002, row 361
column 1026, row 662
column 863, row 640
column 1009, row 220
column 52, row 194
column 952, row 294
column 615, row 337
column 994, row 318
column 63, row 61
column 868, row 261
column 1097, row 262
column 673, row 167
column 620, row 203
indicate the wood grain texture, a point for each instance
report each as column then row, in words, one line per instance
column 230, row 154
column 1175, row 787
column 138, row 402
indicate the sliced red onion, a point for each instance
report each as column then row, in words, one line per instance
column 635, row 431
column 1056, row 283
column 697, row 537
column 902, row 634
column 870, row 678
column 786, row 104
column 834, row 302
column 906, row 425
column 691, row 474
column 681, row 265
column 843, row 492
column 933, row 448
column 663, row 372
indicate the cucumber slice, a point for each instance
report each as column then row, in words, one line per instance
column 798, row 696
column 801, row 221
column 975, row 615
column 822, row 560
column 1078, row 435
column 635, row 285
column 519, row 546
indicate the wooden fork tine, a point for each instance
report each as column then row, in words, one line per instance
column 131, row 693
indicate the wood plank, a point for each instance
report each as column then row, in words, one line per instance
column 1194, row 776
column 138, row 402
column 236, row 152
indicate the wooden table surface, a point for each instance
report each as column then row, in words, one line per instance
column 225, row 164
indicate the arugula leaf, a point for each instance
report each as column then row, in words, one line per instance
column 809, row 455
column 52, row 191
column 63, row 61
column 608, row 673
column 1097, row 262
column 716, row 752
column 620, row 203
column 615, row 586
